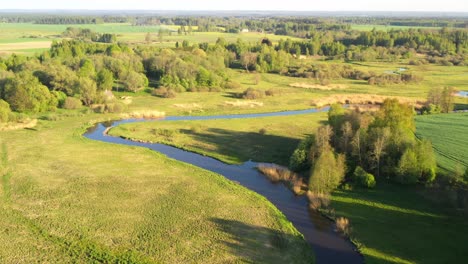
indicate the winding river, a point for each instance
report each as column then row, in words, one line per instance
column 328, row 245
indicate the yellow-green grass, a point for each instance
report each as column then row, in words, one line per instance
column 394, row 224
column 292, row 98
column 267, row 139
column 385, row 27
column 65, row 198
column 448, row 134
column 11, row 33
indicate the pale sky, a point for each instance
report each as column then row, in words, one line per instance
column 286, row 5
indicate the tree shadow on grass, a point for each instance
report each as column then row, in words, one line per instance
column 256, row 244
column 244, row 146
column 399, row 226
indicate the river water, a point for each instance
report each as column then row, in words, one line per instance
column 328, row 245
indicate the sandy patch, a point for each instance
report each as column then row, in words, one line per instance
column 30, row 123
column 188, row 106
column 243, row 103
column 144, row 114
column 364, row 99
column 319, row 86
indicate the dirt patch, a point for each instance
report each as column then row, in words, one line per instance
column 364, row 99
column 319, row 86
column 144, row 114
column 30, row 123
column 243, row 103
column 188, row 106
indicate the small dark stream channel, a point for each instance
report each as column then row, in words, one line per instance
column 328, row 245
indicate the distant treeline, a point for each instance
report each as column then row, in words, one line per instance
column 280, row 25
column 62, row 20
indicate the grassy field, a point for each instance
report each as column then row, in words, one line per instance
column 14, row 34
column 268, row 139
column 64, row 198
column 398, row 225
column 448, row 133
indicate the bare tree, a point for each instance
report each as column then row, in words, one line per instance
column 248, row 60
column 382, row 136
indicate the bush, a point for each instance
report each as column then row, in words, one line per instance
column 5, row 111
column 72, row 103
column 363, row 179
column 271, row 92
column 252, row 94
column 262, row 131
column 232, row 85
column 298, row 160
column 164, row 92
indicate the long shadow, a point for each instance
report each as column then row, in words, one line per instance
column 251, row 242
column 247, row 145
column 400, row 224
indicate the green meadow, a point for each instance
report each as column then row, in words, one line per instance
column 65, row 198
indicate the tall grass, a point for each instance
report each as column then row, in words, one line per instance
column 276, row 173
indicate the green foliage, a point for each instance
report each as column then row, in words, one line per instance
column 336, row 116
column 25, row 93
column 417, row 164
column 72, row 103
column 327, row 172
column 87, row 90
column 5, row 111
column 299, row 159
column 134, row 81
column 362, row 178
column 105, row 80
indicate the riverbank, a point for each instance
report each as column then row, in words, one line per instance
column 90, row 201
column 390, row 223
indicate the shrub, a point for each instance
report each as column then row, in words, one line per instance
column 5, row 111
column 164, row 92
column 342, row 225
column 262, row 131
column 363, row 179
column 232, row 85
column 252, row 94
column 72, row 103
column 298, row 160
column 318, row 200
column 271, row 92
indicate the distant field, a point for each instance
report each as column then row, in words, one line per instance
column 449, row 135
column 384, row 27
column 12, row 34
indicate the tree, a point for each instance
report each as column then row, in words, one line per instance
column 359, row 145
column 25, row 93
column 249, row 60
column 328, row 172
column 87, row 69
column 447, row 100
column 134, row 81
column 87, row 89
column 347, row 135
column 362, row 178
column 5, row 111
column 381, row 137
column 417, row 164
column 148, row 37
column 105, row 80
